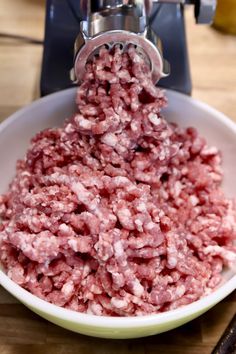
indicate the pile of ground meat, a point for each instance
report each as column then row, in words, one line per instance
column 118, row 213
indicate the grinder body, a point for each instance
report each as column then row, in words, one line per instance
column 115, row 22
column 125, row 22
column 166, row 20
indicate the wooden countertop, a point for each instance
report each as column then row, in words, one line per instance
column 213, row 65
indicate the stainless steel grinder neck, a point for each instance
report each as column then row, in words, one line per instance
column 109, row 22
column 116, row 21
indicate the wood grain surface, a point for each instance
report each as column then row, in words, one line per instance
column 213, row 65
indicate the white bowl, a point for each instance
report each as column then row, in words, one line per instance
column 51, row 111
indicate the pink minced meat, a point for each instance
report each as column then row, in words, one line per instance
column 118, row 213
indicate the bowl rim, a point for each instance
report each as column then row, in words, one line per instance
column 68, row 315
column 64, row 314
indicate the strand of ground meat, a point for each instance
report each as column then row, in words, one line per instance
column 118, row 212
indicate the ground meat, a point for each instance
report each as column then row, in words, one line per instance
column 118, row 212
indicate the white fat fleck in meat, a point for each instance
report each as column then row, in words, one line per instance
column 221, row 251
column 83, row 195
column 141, row 207
column 69, row 128
column 82, row 122
column 154, row 119
column 118, row 303
column 134, row 126
column 64, row 228
column 164, row 135
column 118, row 248
column 193, row 200
column 229, row 221
column 68, row 288
column 139, row 225
column 73, row 244
column 161, row 213
column 95, row 309
column 138, row 289
column 180, row 290
column 150, row 226
column 109, row 139
column 177, row 188
column 172, row 261
column 125, row 217
column 207, row 151
column 162, row 155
